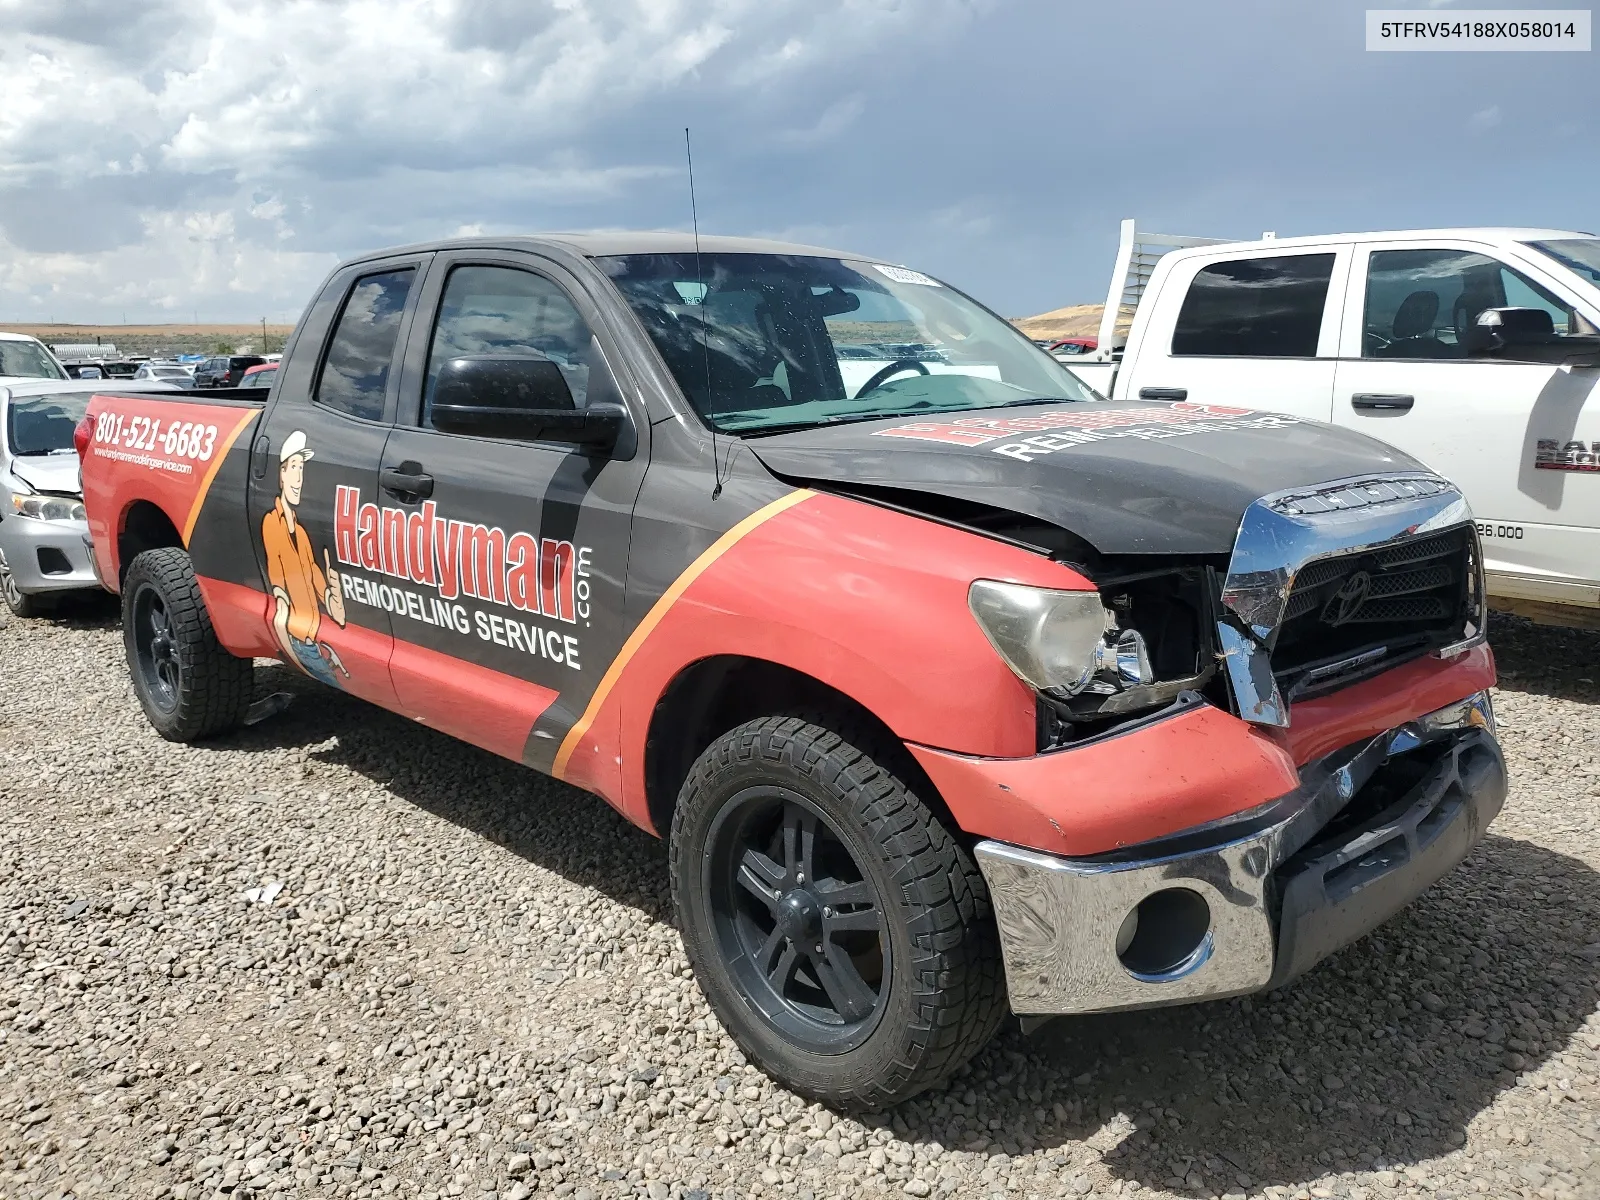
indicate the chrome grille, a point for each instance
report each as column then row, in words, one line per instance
column 1400, row 599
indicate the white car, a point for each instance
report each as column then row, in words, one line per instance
column 1476, row 351
column 174, row 373
column 24, row 357
column 44, row 548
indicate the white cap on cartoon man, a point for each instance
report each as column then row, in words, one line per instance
column 294, row 444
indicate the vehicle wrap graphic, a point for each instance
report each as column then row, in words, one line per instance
column 654, row 617
column 869, row 601
column 179, row 450
column 462, row 558
column 1025, row 437
column 302, row 588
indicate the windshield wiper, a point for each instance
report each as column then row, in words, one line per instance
column 45, row 453
column 838, row 419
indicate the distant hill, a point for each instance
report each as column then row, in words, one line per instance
column 1076, row 320
column 160, row 340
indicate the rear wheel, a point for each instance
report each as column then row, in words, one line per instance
column 187, row 684
column 841, row 935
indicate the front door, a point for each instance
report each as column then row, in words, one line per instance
column 1508, row 433
column 513, row 555
column 322, row 438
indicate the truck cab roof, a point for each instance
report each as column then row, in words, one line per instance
column 605, row 243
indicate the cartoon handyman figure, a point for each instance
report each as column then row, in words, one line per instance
column 301, row 590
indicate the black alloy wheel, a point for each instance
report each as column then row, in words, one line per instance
column 155, row 650
column 797, row 920
column 189, row 686
column 840, row 934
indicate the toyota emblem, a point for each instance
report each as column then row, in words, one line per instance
column 1344, row 604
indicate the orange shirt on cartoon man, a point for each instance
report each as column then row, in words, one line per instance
column 301, row 590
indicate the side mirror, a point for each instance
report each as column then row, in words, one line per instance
column 1527, row 335
column 520, row 398
column 1497, row 330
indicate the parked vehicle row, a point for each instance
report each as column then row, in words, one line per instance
column 1476, row 351
column 954, row 685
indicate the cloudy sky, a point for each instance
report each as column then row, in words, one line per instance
column 166, row 158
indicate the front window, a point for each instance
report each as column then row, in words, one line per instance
column 40, row 425
column 1421, row 303
column 28, row 360
column 1581, row 256
column 761, row 342
column 504, row 311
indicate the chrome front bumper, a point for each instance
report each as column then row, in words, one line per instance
column 1250, row 902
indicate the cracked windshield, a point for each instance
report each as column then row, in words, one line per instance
column 766, row 342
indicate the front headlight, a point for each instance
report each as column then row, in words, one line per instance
column 48, row 508
column 1057, row 641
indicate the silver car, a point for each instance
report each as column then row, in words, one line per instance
column 44, row 539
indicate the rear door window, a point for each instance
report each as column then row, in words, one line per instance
column 355, row 374
column 1255, row 307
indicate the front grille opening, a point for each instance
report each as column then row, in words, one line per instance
column 1380, row 859
column 1358, row 614
column 1388, row 786
column 53, row 562
column 1443, row 813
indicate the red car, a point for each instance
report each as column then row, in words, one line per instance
column 261, row 375
column 1073, row 346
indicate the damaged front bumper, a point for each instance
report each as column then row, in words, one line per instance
column 1248, row 903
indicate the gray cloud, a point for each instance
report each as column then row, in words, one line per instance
column 221, row 154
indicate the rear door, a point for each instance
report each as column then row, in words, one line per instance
column 314, row 459
column 1257, row 330
column 514, row 553
column 1513, row 435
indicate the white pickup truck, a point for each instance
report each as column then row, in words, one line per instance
column 1474, row 350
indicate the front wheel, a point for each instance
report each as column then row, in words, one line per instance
column 21, row 603
column 187, row 684
column 840, row 934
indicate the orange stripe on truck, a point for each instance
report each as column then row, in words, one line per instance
column 211, row 472
column 637, row 638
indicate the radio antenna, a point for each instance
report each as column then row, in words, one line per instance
column 700, row 285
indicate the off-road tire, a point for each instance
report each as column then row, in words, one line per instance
column 213, row 689
column 946, row 989
column 22, row 604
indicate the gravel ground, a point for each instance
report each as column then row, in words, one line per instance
column 469, row 984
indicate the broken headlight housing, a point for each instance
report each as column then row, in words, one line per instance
column 1061, row 643
column 1099, row 658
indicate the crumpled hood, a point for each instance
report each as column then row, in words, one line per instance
column 1129, row 477
column 53, row 473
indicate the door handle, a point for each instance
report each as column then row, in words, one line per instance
column 1160, row 393
column 258, row 457
column 406, row 482
column 1381, row 401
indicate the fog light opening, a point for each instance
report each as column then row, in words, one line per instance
column 1166, row 935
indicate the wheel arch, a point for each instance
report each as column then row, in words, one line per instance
column 713, row 695
column 143, row 525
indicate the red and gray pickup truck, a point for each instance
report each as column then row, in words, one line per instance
column 955, row 686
